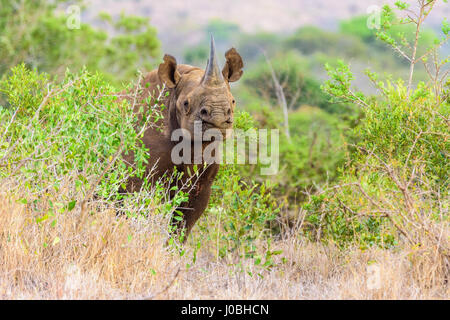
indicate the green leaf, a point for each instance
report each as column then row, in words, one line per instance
column 71, row 205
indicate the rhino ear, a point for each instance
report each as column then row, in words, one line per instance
column 232, row 71
column 167, row 71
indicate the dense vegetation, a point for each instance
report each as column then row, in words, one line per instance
column 37, row 34
column 358, row 168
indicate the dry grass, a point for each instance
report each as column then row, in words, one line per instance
column 101, row 256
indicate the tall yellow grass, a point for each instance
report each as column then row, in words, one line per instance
column 102, row 256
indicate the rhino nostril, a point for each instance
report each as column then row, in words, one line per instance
column 204, row 112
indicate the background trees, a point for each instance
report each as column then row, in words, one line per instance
column 38, row 34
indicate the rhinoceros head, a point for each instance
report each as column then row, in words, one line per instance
column 203, row 95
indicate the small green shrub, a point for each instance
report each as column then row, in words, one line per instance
column 239, row 217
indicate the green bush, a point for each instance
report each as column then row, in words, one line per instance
column 316, row 150
column 394, row 186
column 75, row 130
column 298, row 85
column 241, row 214
column 397, row 174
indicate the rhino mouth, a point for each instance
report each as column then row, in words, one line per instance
column 211, row 128
column 209, row 125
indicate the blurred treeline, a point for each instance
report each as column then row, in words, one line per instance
column 50, row 36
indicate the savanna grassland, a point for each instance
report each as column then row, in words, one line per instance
column 357, row 210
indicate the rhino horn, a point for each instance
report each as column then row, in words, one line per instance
column 213, row 75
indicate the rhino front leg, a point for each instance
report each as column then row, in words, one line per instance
column 196, row 205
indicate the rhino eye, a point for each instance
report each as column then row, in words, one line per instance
column 186, row 104
column 234, row 101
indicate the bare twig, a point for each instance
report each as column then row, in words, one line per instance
column 280, row 96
